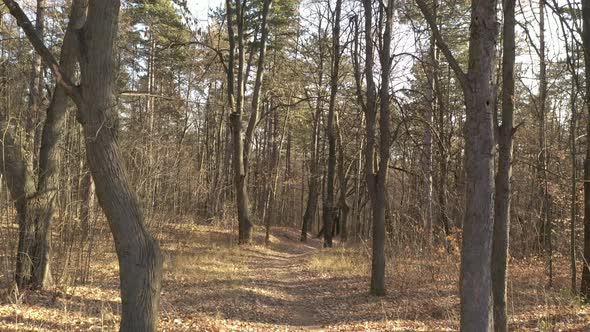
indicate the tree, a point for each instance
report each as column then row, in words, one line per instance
column 503, row 197
column 34, row 189
column 330, row 131
column 545, row 223
column 241, row 146
column 476, row 84
column 140, row 260
column 314, row 173
column 585, row 285
column 376, row 172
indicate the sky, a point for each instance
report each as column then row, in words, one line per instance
column 200, row 8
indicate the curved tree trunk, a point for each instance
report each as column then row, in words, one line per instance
column 49, row 152
column 35, row 209
column 140, row 260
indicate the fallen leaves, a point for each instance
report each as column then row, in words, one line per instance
column 211, row 284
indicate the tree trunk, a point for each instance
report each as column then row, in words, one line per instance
column 502, row 202
column 36, row 209
column 21, row 186
column 49, row 153
column 475, row 280
column 314, row 175
column 574, row 188
column 544, row 221
column 35, row 91
column 585, row 286
column 343, row 205
column 236, row 107
column 376, row 171
column 331, row 173
column 140, row 260
column 241, row 151
column 27, row 258
column 377, row 286
column 476, row 251
column 431, row 98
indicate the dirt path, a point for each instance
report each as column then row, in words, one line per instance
column 211, row 284
column 287, row 270
column 257, row 288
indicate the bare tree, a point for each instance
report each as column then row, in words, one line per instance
column 314, row 174
column 331, row 133
column 376, row 171
column 585, row 286
column 35, row 199
column 503, row 176
column 476, row 251
column 241, row 146
column 140, row 260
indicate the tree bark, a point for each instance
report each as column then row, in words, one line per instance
column 36, row 208
column 140, row 260
column 241, row 147
column 427, row 140
column 21, row 186
column 49, row 151
column 35, row 91
column 343, row 205
column 585, row 285
column 545, row 235
column 476, row 251
column 476, row 292
column 331, row 134
column 502, row 202
column 376, row 170
column 574, row 188
column 314, row 175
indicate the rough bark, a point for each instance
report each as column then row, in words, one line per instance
column 427, row 152
column 331, row 133
column 241, row 147
column 36, row 209
column 502, row 201
column 27, row 258
column 235, row 117
column 380, row 199
column 376, row 170
column 476, row 251
column 476, row 299
column 21, row 186
column 140, row 260
column 574, row 188
column 377, row 286
column 314, row 175
column 48, row 180
column 35, row 90
column 542, row 181
column 585, row 285
column 343, row 205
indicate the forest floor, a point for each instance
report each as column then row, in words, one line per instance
column 211, row 284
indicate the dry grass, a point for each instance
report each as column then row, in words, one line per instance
column 210, row 284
